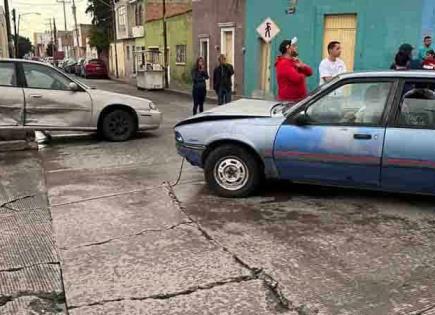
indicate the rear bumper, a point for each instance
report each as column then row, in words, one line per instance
column 192, row 153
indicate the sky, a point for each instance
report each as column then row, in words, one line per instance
column 47, row 9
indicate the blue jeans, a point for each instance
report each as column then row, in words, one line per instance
column 224, row 96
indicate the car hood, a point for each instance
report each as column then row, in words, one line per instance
column 110, row 98
column 243, row 108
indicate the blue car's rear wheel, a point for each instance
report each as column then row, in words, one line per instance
column 231, row 171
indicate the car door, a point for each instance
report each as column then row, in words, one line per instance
column 12, row 97
column 337, row 137
column 50, row 101
column 409, row 153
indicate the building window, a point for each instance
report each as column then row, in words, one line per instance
column 139, row 13
column 128, row 52
column 122, row 19
column 180, row 51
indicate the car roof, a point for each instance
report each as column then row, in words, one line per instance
column 20, row 60
column 423, row 74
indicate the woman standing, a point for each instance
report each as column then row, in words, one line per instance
column 199, row 76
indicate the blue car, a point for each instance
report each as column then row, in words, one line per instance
column 372, row 130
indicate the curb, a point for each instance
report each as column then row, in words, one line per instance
column 17, row 145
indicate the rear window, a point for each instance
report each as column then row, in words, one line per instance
column 95, row 62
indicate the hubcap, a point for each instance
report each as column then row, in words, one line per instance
column 231, row 173
column 118, row 125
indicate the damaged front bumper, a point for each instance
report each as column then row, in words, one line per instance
column 192, row 153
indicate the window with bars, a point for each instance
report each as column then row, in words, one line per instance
column 181, row 51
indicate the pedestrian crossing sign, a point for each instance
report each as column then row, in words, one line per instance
column 268, row 30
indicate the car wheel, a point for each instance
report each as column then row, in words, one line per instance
column 118, row 125
column 233, row 172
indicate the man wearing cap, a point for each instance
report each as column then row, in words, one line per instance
column 291, row 73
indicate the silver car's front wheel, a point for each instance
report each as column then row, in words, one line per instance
column 231, row 173
column 233, row 170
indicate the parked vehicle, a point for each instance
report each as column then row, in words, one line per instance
column 37, row 96
column 94, row 68
column 373, row 130
column 69, row 66
column 79, row 66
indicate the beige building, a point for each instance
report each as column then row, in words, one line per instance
column 4, row 51
column 130, row 17
column 83, row 35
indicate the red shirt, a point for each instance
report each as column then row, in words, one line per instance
column 291, row 80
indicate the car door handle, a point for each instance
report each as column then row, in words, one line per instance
column 360, row 136
column 35, row 96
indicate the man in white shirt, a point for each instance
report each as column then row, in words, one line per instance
column 333, row 65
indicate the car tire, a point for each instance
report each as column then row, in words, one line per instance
column 118, row 125
column 232, row 171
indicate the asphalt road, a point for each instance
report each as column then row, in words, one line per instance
column 129, row 243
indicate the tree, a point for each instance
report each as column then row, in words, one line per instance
column 24, row 46
column 50, row 49
column 102, row 20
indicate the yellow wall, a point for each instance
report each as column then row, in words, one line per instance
column 121, row 59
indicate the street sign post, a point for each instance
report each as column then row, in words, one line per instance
column 268, row 30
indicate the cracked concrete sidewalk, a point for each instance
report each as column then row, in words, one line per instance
column 133, row 250
column 30, row 274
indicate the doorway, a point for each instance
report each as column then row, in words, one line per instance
column 342, row 28
column 204, row 48
column 227, row 46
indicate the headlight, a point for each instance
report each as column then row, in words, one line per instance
column 152, row 106
column 179, row 137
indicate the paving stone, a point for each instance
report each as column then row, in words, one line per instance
column 102, row 219
column 32, row 305
column 156, row 263
column 26, row 239
column 249, row 297
column 39, row 279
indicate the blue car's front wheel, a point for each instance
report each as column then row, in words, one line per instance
column 231, row 171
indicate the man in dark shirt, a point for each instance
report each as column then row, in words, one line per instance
column 222, row 82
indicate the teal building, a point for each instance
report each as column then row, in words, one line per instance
column 370, row 31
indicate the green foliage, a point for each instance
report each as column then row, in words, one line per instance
column 50, row 49
column 102, row 19
column 24, row 46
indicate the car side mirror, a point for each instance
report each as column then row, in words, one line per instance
column 302, row 119
column 73, row 86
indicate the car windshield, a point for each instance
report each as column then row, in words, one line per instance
column 290, row 107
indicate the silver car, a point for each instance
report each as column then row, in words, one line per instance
column 37, row 96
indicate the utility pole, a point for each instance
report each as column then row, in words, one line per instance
column 8, row 28
column 74, row 8
column 55, row 39
column 115, row 37
column 64, row 2
column 14, row 19
column 165, row 45
column 51, row 38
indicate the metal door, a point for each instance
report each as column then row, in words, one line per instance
column 341, row 28
column 12, row 98
column 50, row 102
column 343, row 142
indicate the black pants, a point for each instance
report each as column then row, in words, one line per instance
column 198, row 99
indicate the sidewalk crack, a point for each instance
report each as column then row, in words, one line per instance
column 257, row 273
column 142, row 232
column 165, row 296
column 29, row 266
column 7, row 203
